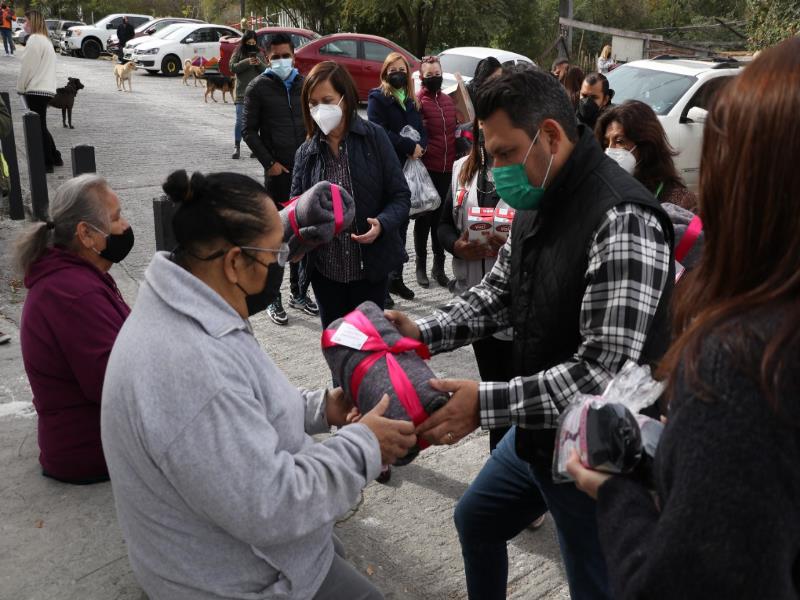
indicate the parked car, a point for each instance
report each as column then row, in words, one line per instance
column 127, row 51
column 149, row 28
column 20, row 37
column 362, row 55
column 465, row 60
column 227, row 45
column 57, row 32
column 18, row 24
column 90, row 41
column 680, row 92
column 188, row 41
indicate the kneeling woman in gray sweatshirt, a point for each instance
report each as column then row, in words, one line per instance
column 220, row 491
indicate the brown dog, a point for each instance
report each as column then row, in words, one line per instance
column 189, row 70
column 216, row 82
column 122, row 73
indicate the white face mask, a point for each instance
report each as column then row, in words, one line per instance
column 327, row 116
column 624, row 158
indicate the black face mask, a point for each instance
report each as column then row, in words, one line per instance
column 588, row 111
column 272, row 289
column 397, row 80
column 433, row 84
column 118, row 245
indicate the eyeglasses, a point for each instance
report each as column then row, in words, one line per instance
column 429, row 59
column 281, row 254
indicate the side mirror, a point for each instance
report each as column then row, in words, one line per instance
column 697, row 115
column 189, row 40
column 150, row 32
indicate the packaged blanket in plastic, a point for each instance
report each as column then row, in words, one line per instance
column 608, row 432
column 424, row 197
column 316, row 216
column 368, row 357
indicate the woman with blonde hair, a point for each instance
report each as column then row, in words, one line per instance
column 37, row 80
column 604, row 61
column 394, row 106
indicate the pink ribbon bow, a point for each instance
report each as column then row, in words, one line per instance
column 338, row 212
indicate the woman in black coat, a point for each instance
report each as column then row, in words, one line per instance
column 393, row 105
column 726, row 520
column 345, row 149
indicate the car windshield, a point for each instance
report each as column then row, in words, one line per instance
column 171, row 34
column 458, row 63
column 169, row 29
column 658, row 89
column 144, row 26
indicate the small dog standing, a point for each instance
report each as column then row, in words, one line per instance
column 122, row 73
column 216, row 82
column 65, row 99
column 189, row 70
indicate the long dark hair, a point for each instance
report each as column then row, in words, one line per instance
column 573, row 81
column 642, row 127
column 748, row 204
column 342, row 82
column 475, row 158
column 248, row 35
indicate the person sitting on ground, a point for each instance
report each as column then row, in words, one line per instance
column 596, row 97
column 725, row 519
column 633, row 136
column 71, row 317
column 220, row 490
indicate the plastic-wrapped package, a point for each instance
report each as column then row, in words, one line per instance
column 316, row 216
column 424, row 197
column 607, row 431
column 370, row 358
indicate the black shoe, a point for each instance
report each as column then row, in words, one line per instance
column 438, row 272
column 49, row 168
column 304, row 303
column 399, row 288
column 276, row 313
column 388, row 302
column 385, row 476
column 235, row 154
column 422, row 277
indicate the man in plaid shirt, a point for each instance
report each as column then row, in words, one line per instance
column 584, row 280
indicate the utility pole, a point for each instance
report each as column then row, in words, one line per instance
column 241, row 9
column 565, row 9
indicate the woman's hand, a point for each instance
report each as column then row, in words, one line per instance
column 404, row 324
column 418, row 152
column 371, row 235
column 587, row 480
column 467, row 250
column 339, row 409
column 395, row 437
column 495, row 243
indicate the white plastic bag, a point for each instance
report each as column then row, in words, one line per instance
column 424, row 197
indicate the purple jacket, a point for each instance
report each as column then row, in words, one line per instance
column 439, row 117
column 71, row 317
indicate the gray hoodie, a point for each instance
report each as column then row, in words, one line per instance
column 220, row 491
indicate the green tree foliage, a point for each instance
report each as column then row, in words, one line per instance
column 772, row 21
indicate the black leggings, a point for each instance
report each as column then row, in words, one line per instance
column 39, row 104
column 429, row 221
column 494, row 360
column 336, row 299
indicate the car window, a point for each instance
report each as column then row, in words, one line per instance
column 204, row 35
column 341, row 48
column 298, row 40
column 376, row 52
column 136, row 21
column 659, row 89
column 458, row 63
column 172, row 34
column 707, row 92
column 115, row 22
column 223, row 33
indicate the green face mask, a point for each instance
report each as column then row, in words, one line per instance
column 513, row 186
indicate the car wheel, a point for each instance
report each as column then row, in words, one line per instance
column 171, row 66
column 91, row 49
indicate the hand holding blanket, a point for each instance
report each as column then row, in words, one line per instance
column 316, row 216
column 370, row 358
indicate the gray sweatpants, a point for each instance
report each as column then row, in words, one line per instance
column 344, row 582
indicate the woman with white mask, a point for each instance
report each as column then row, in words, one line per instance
column 347, row 150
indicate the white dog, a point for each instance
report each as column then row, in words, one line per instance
column 122, row 73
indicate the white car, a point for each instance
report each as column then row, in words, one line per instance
column 186, row 42
column 680, row 92
column 465, row 60
column 127, row 51
column 90, row 41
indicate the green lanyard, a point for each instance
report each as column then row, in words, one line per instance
column 658, row 191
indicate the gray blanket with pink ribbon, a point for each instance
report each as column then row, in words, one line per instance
column 368, row 357
column 316, row 216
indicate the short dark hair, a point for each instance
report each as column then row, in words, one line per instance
column 559, row 61
column 342, row 82
column 529, row 96
column 278, row 39
column 593, row 78
column 486, row 68
column 229, row 206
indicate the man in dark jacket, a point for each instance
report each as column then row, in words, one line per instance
column 595, row 99
column 125, row 34
column 273, row 129
column 585, row 281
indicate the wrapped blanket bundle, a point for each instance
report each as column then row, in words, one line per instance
column 370, row 358
column 316, row 216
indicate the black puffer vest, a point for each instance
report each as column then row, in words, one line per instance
column 549, row 259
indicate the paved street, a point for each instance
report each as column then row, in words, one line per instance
column 62, row 542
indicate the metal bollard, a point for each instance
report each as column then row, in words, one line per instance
column 163, row 211
column 9, row 145
column 37, row 176
column 83, row 160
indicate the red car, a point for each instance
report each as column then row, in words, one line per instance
column 361, row 54
column 227, row 45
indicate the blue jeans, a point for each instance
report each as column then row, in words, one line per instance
column 506, row 496
column 8, row 43
column 237, row 130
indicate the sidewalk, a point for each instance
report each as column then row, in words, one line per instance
column 63, row 542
